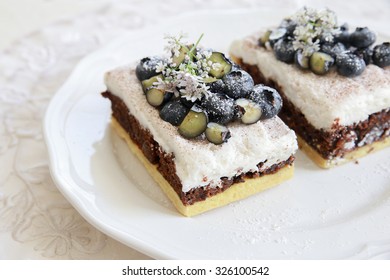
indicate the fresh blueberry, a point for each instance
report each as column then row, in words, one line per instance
column 365, row 54
column 217, row 86
column 381, row 55
column 289, row 25
column 268, row 98
column 344, row 36
column 146, row 68
column 362, row 37
column 276, row 35
column 217, row 133
column 237, row 83
column 350, row 65
column 194, row 123
column 174, row 112
column 225, row 65
column 320, row 63
column 284, row 51
column 235, row 66
column 249, row 111
column 219, row 107
column 186, row 102
column 333, row 49
column 344, row 27
column 301, row 60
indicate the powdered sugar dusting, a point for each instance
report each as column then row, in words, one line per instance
column 199, row 162
column 322, row 99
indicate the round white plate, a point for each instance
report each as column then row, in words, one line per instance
column 319, row 214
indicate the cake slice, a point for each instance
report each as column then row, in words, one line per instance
column 335, row 84
column 204, row 148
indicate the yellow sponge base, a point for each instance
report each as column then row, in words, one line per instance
column 235, row 192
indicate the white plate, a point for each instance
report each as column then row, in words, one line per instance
column 319, row 214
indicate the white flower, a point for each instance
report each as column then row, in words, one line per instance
column 313, row 26
column 206, row 54
column 160, row 67
column 187, row 78
column 191, row 87
column 216, row 66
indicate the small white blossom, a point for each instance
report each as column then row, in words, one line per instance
column 160, row 67
column 216, row 66
column 187, row 78
column 206, row 54
column 160, row 84
column 191, row 87
column 311, row 27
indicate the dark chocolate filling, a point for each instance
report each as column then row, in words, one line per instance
column 165, row 162
column 332, row 143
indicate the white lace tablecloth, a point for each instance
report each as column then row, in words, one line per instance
column 36, row 221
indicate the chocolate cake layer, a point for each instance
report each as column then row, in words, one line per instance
column 332, row 143
column 165, row 162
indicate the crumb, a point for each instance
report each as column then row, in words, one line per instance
column 356, row 162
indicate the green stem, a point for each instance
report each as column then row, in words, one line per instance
column 197, row 43
column 191, row 51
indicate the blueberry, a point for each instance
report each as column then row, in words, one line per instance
column 187, row 103
column 217, row 133
column 157, row 97
column 349, row 65
column 237, row 83
column 365, row 54
column 225, row 65
column 268, row 98
column 344, row 27
column 148, row 83
column 333, row 49
column 146, row 68
column 250, row 111
column 219, row 107
column 276, row 35
column 320, row 63
column 381, row 55
column 289, row 25
column 362, row 37
column 217, row 86
column 284, row 51
column 194, row 123
column 235, row 66
column 344, row 36
column 174, row 112
column 301, row 60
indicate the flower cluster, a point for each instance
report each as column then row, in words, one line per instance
column 313, row 26
column 187, row 77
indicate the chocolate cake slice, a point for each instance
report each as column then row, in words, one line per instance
column 204, row 148
column 195, row 174
column 338, row 105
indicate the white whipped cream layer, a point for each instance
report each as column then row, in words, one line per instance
column 199, row 162
column 324, row 100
